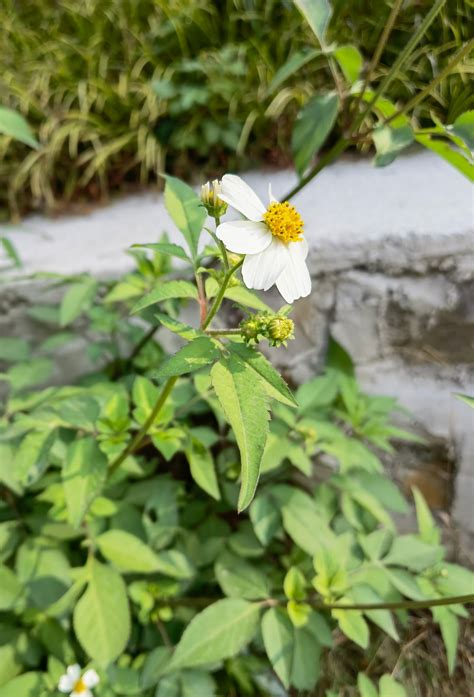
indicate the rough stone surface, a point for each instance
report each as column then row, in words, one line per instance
column 392, row 260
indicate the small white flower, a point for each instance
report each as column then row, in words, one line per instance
column 271, row 238
column 76, row 685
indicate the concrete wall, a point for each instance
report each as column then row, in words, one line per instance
column 391, row 255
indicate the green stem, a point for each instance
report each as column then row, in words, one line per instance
column 387, row 30
column 141, row 434
column 223, row 332
column 220, row 296
column 317, row 605
column 401, row 58
column 429, row 88
column 221, row 245
column 331, row 155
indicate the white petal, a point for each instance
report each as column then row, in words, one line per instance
column 65, row 683
column 271, row 197
column 240, row 196
column 90, row 678
column 74, row 672
column 83, row 693
column 261, row 270
column 244, row 236
column 294, row 281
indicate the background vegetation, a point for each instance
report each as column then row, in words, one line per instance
column 119, row 90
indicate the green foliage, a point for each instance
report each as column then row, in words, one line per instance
column 118, row 93
column 133, row 535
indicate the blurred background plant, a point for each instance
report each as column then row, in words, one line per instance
column 118, row 90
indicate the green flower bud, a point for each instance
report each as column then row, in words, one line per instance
column 210, row 198
column 250, row 328
column 280, row 329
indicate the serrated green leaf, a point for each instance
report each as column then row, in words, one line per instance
column 77, row 300
column 168, row 248
column 244, row 403
column 203, row 470
column 15, row 125
column 294, row 653
column 365, row 595
column 265, row 517
column 102, row 615
column 302, row 520
column 317, row 13
column 218, row 632
column 449, row 625
column 294, row 584
column 274, row 384
column 194, row 356
column 429, row 533
column 84, row 473
column 129, row 554
column 352, row 624
column 166, row 290
column 312, row 127
column 32, row 457
column 186, row 210
column 177, row 327
column 414, row 554
column 239, row 579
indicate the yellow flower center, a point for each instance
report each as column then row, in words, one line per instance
column 284, row 222
column 80, row 686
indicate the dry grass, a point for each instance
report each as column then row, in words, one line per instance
column 418, row 662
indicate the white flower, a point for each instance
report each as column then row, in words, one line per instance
column 271, row 238
column 76, row 685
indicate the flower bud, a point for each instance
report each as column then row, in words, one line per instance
column 280, row 329
column 250, row 328
column 210, row 198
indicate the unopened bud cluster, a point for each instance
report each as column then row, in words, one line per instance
column 277, row 328
column 214, row 205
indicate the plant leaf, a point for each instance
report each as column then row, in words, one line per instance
column 203, row 470
column 351, row 62
column 168, row 248
column 296, row 61
column 102, row 616
column 129, row 554
column 239, row 579
column 218, row 632
column 194, row 356
column 166, row 291
column 273, row 383
column 186, row 210
column 317, row 13
column 463, row 127
column 84, row 473
column 77, row 300
column 244, row 403
column 312, row 127
column 14, row 125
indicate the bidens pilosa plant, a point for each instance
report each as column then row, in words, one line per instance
column 122, row 548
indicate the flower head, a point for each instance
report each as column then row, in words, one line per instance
column 271, row 238
column 210, row 197
column 78, row 685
